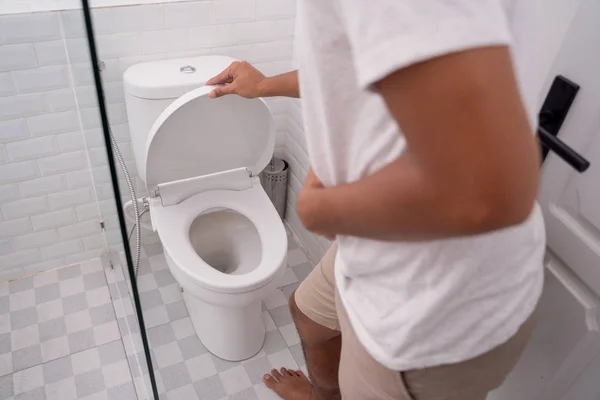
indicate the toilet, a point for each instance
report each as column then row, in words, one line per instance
column 200, row 159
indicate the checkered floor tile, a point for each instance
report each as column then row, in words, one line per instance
column 59, row 338
column 184, row 368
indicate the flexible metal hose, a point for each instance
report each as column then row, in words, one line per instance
column 137, row 215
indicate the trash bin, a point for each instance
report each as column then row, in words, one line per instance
column 274, row 179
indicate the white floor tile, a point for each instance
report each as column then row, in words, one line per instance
column 269, row 323
column 288, row 278
column 275, row 299
column 264, row 393
column 283, row 358
column 235, row 380
column 290, row 334
column 61, row 390
column 201, row 367
column 28, row 379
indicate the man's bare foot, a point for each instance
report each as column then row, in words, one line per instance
column 289, row 384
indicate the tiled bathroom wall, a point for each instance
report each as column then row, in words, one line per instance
column 48, row 210
column 296, row 156
column 54, row 179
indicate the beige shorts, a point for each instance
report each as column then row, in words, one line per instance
column 363, row 378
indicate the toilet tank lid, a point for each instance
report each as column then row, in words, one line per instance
column 196, row 135
column 166, row 79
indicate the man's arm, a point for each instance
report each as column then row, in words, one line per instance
column 246, row 81
column 471, row 164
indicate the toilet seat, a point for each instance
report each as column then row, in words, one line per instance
column 205, row 154
column 173, row 224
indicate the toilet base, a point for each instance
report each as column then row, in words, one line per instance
column 230, row 333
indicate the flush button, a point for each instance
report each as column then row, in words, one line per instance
column 187, row 69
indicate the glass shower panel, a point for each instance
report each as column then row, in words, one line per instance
column 66, row 309
column 97, row 78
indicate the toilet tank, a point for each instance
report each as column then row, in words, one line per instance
column 150, row 87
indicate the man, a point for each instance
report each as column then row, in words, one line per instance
column 419, row 118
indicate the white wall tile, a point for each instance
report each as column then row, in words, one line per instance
column 22, row 106
column 58, row 122
column 233, row 11
column 3, row 156
column 270, row 51
column 44, row 266
column 118, row 45
column 111, row 73
column 41, row 79
column 71, row 198
column 13, row 130
column 79, row 230
column 90, row 117
column 188, row 53
column 87, row 212
column 51, row 53
column 18, row 171
column 94, row 137
column 70, row 141
column 36, row 239
column 138, row 18
column 126, row 62
column 117, row 113
column 105, row 191
column 164, row 40
column 7, row 87
column 54, row 219
column 181, row 15
column 113, row 92
column 17, row 57
column 82, row 256
column 41, row 186
column 5, row 246
column 95, row 242
column 20, row 259
column 262, row 31
column 31, row 148
column 27, row 28
column 101, row 174
column 82, row 73
column 275, row 8
column 74, row 26
column 78, row 51
column 86, row 96
column 212, row 35
column 15, row 227
column 9, row 192
column 24, row 207
column 61, row 249
column 61, row 100
column 77, row 179
column 63, row 163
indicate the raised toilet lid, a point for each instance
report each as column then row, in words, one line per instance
column 197, row 135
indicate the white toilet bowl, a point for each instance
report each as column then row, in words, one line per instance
column 200, row 159
column 227, row 250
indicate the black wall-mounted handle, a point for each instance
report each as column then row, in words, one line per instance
column 570, row 156
column 552, row 115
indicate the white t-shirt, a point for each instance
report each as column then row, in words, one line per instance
column 421, row 304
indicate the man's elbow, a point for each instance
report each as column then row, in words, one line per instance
column 497, row 214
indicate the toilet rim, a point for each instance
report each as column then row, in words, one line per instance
column 173, row 225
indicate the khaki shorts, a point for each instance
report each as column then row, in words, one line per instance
column 363, row 378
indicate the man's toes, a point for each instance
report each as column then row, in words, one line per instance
column 300, row 373
column 285, row 372
column 269, row 381
column 276, row 374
